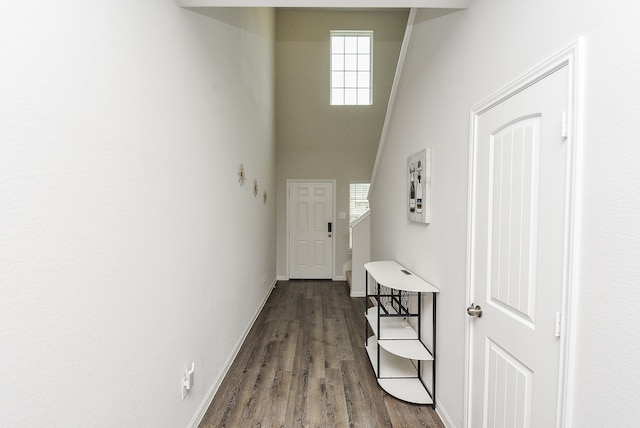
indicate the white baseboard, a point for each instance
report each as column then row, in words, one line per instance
column 358, row 294
column 204, row 406
column 336, row 278
column 444, row 416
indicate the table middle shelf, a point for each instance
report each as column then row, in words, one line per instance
column 397, row 336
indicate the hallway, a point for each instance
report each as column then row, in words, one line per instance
column 304, row 364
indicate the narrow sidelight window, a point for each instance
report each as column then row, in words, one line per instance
column 358, row 204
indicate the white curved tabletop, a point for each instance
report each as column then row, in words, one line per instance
column 394, row 275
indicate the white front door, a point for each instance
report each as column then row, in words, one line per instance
column 311, row 230
column 517, row 257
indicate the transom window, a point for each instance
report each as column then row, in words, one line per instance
column 351, row 67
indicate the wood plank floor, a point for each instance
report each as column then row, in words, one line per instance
column 303, row 364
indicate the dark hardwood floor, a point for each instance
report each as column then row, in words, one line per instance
column 303, row 364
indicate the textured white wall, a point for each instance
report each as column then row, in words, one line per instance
column 457, row 60
column 128, row 248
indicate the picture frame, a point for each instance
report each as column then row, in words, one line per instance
column 418, row 173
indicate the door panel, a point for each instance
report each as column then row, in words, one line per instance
column 310, row 243
column 319, row 252
column 517, row 243
column 509, row 388
column 319, row 215
column 512, row 219
column 302, row 216
column 302, row 253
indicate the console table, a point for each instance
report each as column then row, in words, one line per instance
column 396, row 348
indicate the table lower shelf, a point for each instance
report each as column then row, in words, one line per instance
column 409, row 390
column 398, row 375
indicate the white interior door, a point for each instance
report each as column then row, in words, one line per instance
column 311, row 230
column 518, row 238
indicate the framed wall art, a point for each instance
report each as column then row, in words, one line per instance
column 418, row 175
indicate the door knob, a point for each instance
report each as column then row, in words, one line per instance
column 474, row 311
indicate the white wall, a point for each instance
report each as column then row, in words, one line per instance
column 361, row 253
column 128, row 248
column 319, row 141
column 459, row 59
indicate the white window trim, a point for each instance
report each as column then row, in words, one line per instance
column 368, row 33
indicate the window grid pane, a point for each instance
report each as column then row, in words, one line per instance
column 337, row 96
column 351, row 62
column 363, row 96
column 337, row 77
column 350, row 97
column 337, row 45
column 358, row 204
column 350, row 44
column 364, row 62
column 364, row 80
column 350, row 79
column 351, row 68
column 337, row 62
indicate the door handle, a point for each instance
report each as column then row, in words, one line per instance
column 474, row 311
column 329, row 228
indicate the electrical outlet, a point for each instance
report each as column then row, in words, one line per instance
column 187, row 381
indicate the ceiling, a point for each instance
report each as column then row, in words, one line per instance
column 448, row 4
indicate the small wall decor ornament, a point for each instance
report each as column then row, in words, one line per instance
column 255, row 187
column 419, row 186
column 241, row 175
column 264, row 197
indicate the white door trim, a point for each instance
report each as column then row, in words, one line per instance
column 570, row 57
column 333, row 219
